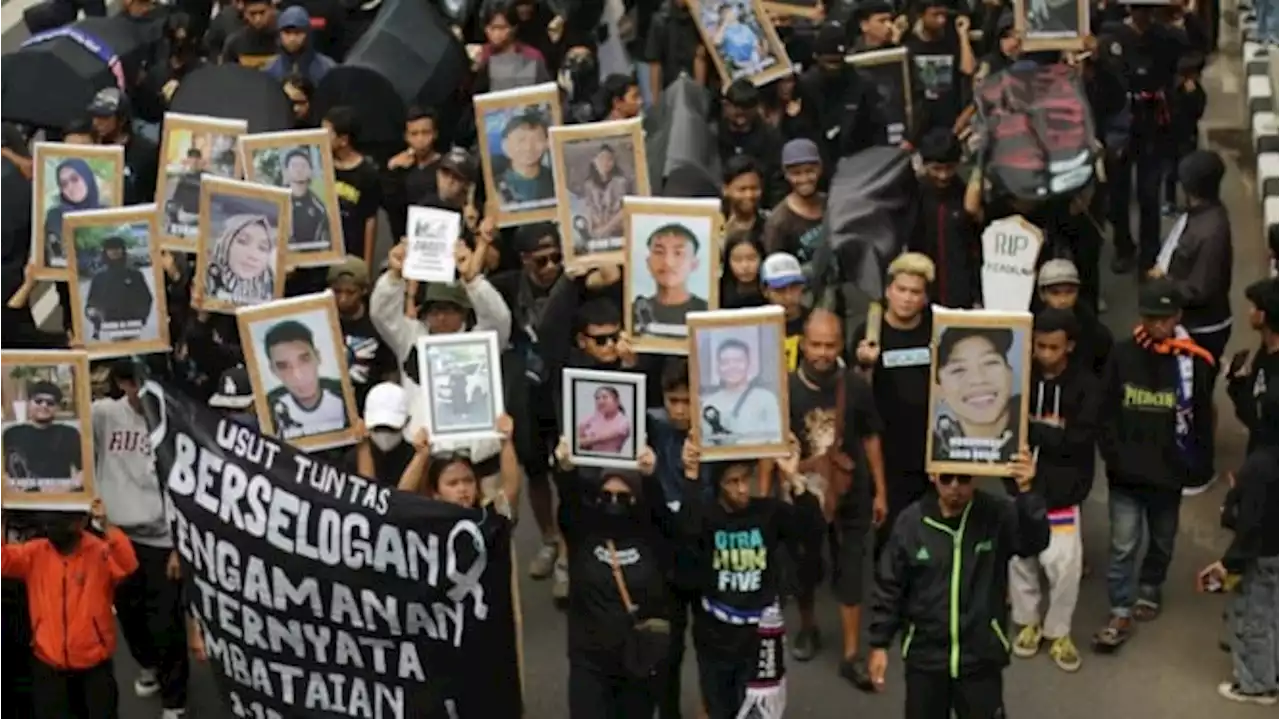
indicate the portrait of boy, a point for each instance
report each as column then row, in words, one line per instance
column 672, row 257
column 306, row 403
column 527, row 176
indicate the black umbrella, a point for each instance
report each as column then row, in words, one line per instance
column 407, row 57
column 869, row 214
column 50, row 80
column 235, row 92
column 679, row 134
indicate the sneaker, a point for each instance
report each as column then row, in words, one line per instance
column 805, row 646
column 854, row 671
column 1231, row 690
column 146, row 685
column 1027, row 643
column 560, row 580
column 544, row 561
column 1063, row 652
column 1198, row 489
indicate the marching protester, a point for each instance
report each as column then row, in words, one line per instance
column 944, row 231
column 297, row 53
column 1253, row 380
column 743, row 190
column 1058, row 287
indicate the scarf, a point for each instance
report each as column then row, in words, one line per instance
column 767, row 691
column 1185, row 350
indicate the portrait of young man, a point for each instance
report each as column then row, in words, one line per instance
column 526, row 176
column 672, row 258
column 119, row 300
column 741, row 409
column 310, row 218
column 306, row 403
column 41, row 455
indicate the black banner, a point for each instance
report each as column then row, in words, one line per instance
column 323, row 594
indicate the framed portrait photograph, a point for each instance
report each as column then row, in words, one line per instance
column 1051, row 24
column 300, row 161
column 889, row 72
column 117, row 284
column 978, row 397
column 741, row 40
column 738, row 374
column 192, row 146
column 297, row 362
column 46, row 433
column 64, row 179
column 596, row 166
column 604, row 417
column 673, row 258
column 515, row 152
column 240, row 262
column 460, row 377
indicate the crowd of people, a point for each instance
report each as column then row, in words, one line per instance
column 964, row 579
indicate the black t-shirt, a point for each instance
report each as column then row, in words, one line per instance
column 369, row 358
column 935, row 79
column 32, row 452
column 141, row 163
column 787, row 231
column 813, row 419
column 359, row 195
column 673, row 41
column 900, row 385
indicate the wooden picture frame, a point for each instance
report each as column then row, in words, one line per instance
column 752, row 341
column 889, row 72
column 214, row 139
column 323, row 223
column 295, row 323
column 581, row 387
column 707, row 17
column 809, row 9
column 646, row 219
column 499, row 115
column 250, row 208
column 1044, row 26
column 48, row 159
column 69, row 373
column 962, row 378
column 118, row 292
column 475, row 352
column 574, row 149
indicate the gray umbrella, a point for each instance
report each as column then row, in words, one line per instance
column 678, row 133
column 868, row 216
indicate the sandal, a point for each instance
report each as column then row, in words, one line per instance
column 1145, row 610
column 1113, row 636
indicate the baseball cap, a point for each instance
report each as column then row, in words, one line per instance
column 447, row 292
column 295, row 18
column 1159, row 298
column 387, row 405
column 352, row 267
column 1058, row 272
column 109, row 102
column 459, row 162
column 800, row 151
column 831, row 39
column 234, row 390
column 781, row 269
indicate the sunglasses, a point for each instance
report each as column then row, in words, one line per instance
column 949, row 479
column 543, row 260
column 615, row 497
column 604, row 340
column 453, row 455
column 44, row 401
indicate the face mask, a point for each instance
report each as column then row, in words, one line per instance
column 63, row 537
column 615, row 510
column 386, row 439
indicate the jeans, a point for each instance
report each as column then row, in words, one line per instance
column 1267, row 21
column 1149, row 166
column 1134, row 513
column 149, row 608
column 724, row 683
column 1253, row 628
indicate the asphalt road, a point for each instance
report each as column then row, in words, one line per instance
column 1170, row 669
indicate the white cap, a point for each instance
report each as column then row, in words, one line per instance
column 781, row 269
column 387, row 405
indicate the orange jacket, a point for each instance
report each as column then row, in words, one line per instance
column 70, row 596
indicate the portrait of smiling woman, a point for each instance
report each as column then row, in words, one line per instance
column 240, row 263
column 978, row 390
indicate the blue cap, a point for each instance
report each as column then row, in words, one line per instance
column 294, row 18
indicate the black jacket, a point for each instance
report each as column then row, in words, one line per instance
column 1065, row 459
column 1254, row 397
column 946, row 233
column 1201, row 267
column 1138, row 418
column 843, row 113
column 763, row 143
column 1094, row 343
column 1255, row 506
column 945, row 590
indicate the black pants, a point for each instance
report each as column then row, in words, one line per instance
column 724, row 683
column 669, row 704
column 933, row 695
column 902, row 488
column 149, row 608
column 595, row 693
column 18, row 660
column 77, row 694
column 1148, row 164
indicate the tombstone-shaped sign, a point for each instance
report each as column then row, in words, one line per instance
column 1010, row 247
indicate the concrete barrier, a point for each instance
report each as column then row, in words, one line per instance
column 1260, row 72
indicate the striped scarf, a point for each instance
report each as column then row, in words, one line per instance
column 1186, row 351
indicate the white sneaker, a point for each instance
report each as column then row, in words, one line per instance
column 146, row 685
column 1199, row 489
column 1231, row 690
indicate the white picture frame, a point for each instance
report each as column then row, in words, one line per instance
column 579, row 387
column 438, row 386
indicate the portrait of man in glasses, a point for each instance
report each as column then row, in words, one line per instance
column 42, row 454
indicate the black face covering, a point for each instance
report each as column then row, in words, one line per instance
column 616, row 510
column 64, row 536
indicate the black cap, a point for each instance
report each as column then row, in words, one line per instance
column 1159, row 298
column 831, row 39
column 114, row 241
column 459, row 162
column 109, row 102
column 234, row 390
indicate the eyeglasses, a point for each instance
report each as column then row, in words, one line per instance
column 552, row 259
column 949, row 479
column 44, row 400
column 604, row 340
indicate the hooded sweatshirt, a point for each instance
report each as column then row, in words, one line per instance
column 1157, row 412
column 307, row 62
column 945, row 232
column 1063, row 429
column 125, row 473
column 1200, row 266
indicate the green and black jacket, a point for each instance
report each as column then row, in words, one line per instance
column 942, row 584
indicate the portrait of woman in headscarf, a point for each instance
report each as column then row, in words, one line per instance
column 77, row 189
column 242, row 263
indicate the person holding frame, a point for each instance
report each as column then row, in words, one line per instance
column 741, row 40
column 302, row 162
column 192, row 146
column 241, row 258
column 672, row 248
column 604, row 417
column 515, row 143
column 739, row 383
column 64, row 179
column 978, row 400
column 1051, row 24
column 460, row 377
column 297, row 363
column 117, row 285
column 47, row 436
column 596, row 166
column 889, row 72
